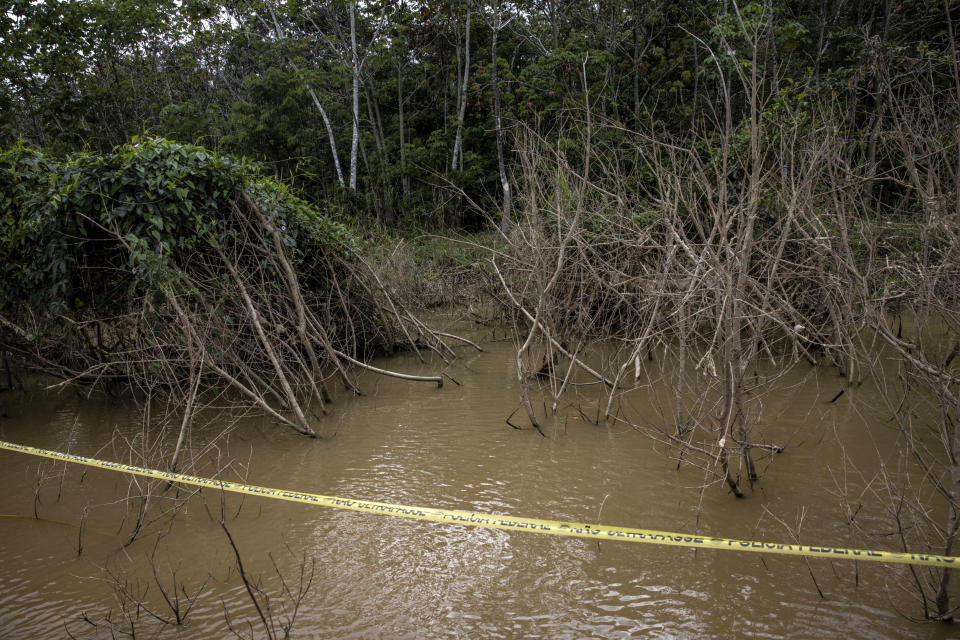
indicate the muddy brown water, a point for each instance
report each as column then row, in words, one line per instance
column 376, row 576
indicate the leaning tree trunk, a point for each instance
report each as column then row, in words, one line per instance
column 278, row 30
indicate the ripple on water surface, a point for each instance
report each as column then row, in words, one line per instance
column 378, row 576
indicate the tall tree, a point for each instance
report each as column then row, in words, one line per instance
column 355, row 70
column 498, row 22
column 462, row 96
column 279, row 32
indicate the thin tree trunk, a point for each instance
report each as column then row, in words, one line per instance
column 254, row 317
column 404, row 179
column 446, row 88
column 383, row 193
column 373, row 114
column 696, row 88
column 333, row 142
column 504, row 182
column 316, row 101
column 636, row 61
column 555, row 23
column 821, row 48
column 458, row 140
column 355, row 64
column 296, row 296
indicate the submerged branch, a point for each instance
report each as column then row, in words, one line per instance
column 392, row 374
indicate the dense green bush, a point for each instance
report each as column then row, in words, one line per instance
column 92, row 230
column 162, row 262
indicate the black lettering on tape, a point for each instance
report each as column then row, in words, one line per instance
column 482, row 520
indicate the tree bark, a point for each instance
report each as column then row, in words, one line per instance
column 355, row 65
column 458, row 140
column 404, row 178
column 504, row 182
column 316, row 101
column 333, row 142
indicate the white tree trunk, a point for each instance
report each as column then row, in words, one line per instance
column 504, row 182
column 458, row 141
column 333, row 143
column 355, row 64
column 405, row 180
column 316, row 101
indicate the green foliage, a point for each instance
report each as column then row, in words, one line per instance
column 237, row 78
column 27, row 178
column 454, row 252
column 92, row 229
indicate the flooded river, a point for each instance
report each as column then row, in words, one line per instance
column 377, row 576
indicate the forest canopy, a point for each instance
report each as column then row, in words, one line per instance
column 91, row 231
column 377, row 109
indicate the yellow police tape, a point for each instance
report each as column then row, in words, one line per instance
column 507, row 523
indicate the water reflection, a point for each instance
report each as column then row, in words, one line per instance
column 384, row 577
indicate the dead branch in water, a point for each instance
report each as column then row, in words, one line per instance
column 241, row 310
column 391, row 374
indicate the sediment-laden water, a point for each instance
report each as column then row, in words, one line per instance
column 375, row 576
